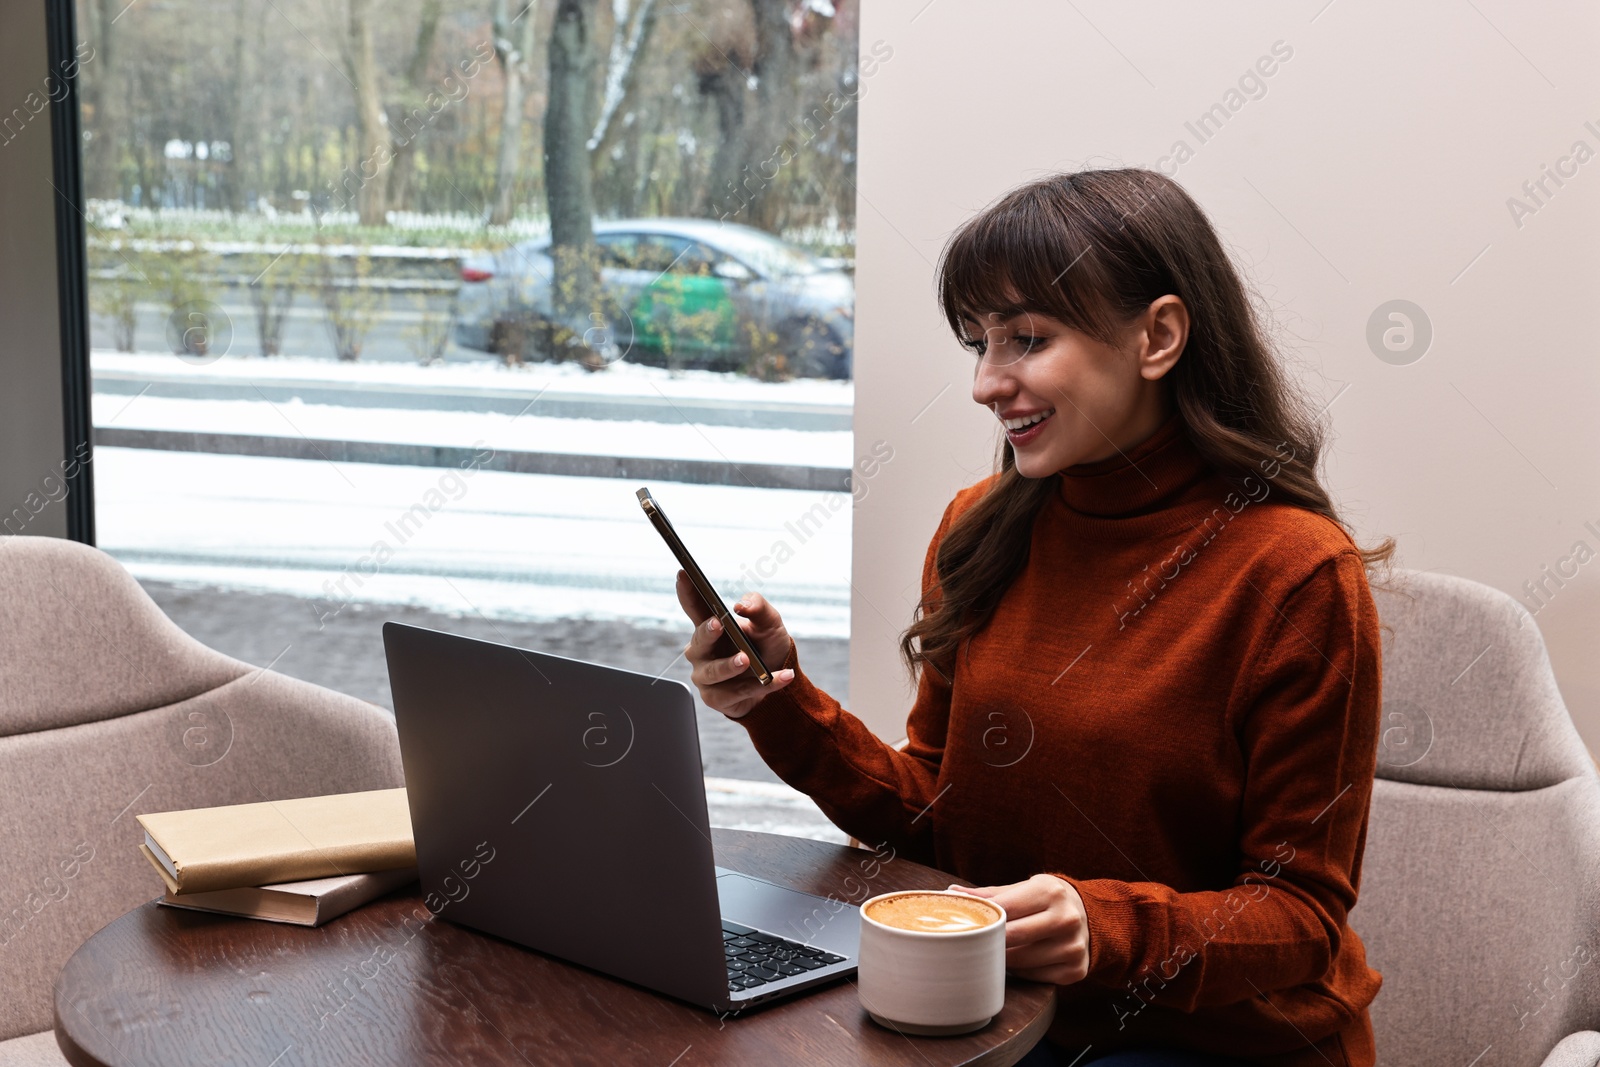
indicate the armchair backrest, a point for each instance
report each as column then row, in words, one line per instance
column 1480, row 894
column 108, row 710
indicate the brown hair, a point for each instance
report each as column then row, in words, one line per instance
column 1093, row 249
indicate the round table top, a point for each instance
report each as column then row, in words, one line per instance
column 168, row 987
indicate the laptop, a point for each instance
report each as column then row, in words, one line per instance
column 561, row 805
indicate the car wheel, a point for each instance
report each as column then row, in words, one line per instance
column 813, row 349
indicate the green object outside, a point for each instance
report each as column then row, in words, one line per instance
column 685, row 313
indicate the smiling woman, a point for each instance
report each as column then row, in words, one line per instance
column 1104, row 279
column 1226, row 728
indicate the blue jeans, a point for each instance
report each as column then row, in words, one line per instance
column 1045, row 1055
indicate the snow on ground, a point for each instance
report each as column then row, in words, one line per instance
column 623, row 378
column 768, row 807
column 497, row 430
column 503, row 545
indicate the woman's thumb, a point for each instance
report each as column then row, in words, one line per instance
column 757, row 609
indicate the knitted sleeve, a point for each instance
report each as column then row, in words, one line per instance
column 869, row 789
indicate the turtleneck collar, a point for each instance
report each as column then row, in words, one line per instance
column 1152, row 475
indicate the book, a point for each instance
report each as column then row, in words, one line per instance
column 241, row 846
column 307, row 903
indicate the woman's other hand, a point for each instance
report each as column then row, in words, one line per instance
column 725, row 681
column 1047, row 932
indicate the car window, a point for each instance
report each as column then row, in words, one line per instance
column 700, row 260
column 767, row 255
column 654, row 252
column 663, row 253
column 618, row 250
column 660, row 253
column 522, row 254
column 679, row 255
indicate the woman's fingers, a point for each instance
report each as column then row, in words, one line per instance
column 689, row 599
column 716, row 667
column 1061, row 963
column 1059, row 974
column 1038, row 954
column 1019, row 898
column 747, row 694
column 706, row 633
column 708, row 642
column 1039, row 929
column 710, row 673
column 760, row 612
column 717, row 670
column 761, row 621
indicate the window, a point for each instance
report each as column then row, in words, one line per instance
column 331, row 381
column 619, row 251
column 674, row 255
column 699, row 260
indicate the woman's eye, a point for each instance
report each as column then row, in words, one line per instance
column 1025, row 343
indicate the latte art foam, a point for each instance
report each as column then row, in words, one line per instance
column 933, row 913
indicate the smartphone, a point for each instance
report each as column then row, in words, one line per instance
column 730, row 623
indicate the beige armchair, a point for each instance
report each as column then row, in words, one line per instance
column 1480, row 896
column 107, row 711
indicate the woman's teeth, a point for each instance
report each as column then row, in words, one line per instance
column 1023, row 423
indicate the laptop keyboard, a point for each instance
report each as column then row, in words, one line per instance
column 756, row 958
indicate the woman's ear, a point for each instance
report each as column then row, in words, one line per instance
column 1165, row 331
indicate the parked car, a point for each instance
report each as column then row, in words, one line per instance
column 686, row 292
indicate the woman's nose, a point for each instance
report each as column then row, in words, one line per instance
column 992, row 383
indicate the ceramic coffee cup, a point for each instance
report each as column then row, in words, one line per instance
column 932, row 965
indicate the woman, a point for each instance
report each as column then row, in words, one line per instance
column 1146, row 654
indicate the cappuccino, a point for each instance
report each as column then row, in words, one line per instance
column 933, row 913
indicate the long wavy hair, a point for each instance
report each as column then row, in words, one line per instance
column 1093, row 249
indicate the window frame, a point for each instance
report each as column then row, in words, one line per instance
column 72, row 279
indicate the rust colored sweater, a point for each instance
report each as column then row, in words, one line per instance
column 1176, row 709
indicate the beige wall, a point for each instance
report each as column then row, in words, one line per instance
column 32, row 436
column 1377, row 166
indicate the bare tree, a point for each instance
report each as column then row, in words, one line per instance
column 628, row 37
column 722, row 67
column 272, row 292
column 568, row 182
column 373, row 149
column 406, row 117
column 256, row 75
column 106, row 99
column 349, row 304
column 117, row 298
column 513, row 47
column 775, row 76
column 752, row 75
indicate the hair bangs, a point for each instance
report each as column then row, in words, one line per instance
column 1022, row 256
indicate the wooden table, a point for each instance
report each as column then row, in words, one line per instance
column 388, row 985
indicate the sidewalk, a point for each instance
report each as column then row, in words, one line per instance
column 528, row 546
column 623, row 390
column 346, row 654
column 626, row 421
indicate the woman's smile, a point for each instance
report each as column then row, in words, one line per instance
column 1024, row 427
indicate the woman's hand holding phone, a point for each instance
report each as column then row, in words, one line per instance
column 720, row 672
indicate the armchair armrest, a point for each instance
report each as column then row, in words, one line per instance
column 1581, row 1049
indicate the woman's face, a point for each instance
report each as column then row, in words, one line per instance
column 1066, row 398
